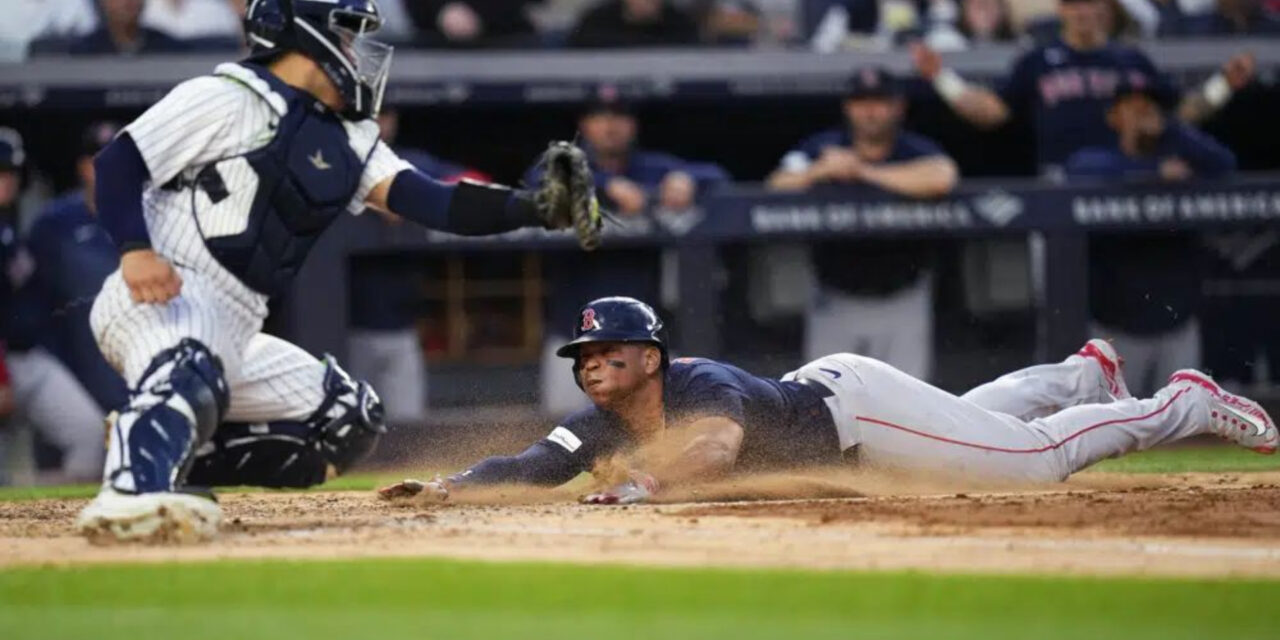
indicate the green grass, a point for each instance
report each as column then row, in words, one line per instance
column 421, row 598
column 1213, row 459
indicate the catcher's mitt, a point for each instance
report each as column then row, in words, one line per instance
column 566, row 198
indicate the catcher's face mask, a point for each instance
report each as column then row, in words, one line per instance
column 368, row 60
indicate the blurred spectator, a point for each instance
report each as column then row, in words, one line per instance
column 728, row 22
column 195, row 19
column 979, row 22
column 634, row 23
column 842, row 24
column 1228, row 17
column 874, row 298
column 1067, row 85
column 1144, row 290
column 74, row 255
column 384, row 306
column 630, row 181
column 472, row 23
column 29, row 20
column 121, row 32
column 40, row 392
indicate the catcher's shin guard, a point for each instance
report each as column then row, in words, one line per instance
column 289, row 453
column 175, row 408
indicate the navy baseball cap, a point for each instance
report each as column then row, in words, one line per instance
column 12, row 155
column 873, row 82
column 1139, row 83
column 97, row 136
column 607, row 99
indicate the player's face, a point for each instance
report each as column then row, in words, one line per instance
column 122, row 11
column 874, row 119
column 9, row 183
column 1083, row 19
column 1138, row 117
column 612, row 371
column 609, row 133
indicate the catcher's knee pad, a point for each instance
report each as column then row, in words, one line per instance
column 288, row 453
column 175, row 407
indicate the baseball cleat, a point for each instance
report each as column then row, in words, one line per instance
column 148, row 517
column 1233, row 417
column 1112, row 366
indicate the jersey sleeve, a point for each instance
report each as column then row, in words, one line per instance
column 585, row 436
column 383, row 163
column 190, row 126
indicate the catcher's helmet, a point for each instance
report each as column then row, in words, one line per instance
column 615, row 319
column 334, row 33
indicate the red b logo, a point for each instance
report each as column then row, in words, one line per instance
column 589, row 320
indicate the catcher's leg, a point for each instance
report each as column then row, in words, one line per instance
column 294, row 421
column 1091, row 375
column 180, row 358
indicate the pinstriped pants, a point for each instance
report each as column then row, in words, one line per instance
column 269, row 378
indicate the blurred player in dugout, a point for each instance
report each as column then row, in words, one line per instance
column 632, row 181
column 36, row 390
column 1066, row 88
column 1145, row 289
column 874, row 298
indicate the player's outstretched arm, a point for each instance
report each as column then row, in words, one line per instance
column 542, row 464
column 979, row 105
column 565, row 199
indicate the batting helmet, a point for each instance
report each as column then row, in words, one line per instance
column 334, row 33
column 616, row 319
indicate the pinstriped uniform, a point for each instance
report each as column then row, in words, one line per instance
column 216, row 120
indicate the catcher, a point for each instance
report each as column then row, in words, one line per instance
column 1038, row 424
column 215, row 195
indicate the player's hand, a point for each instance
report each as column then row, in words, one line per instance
column 629, row 197
column 433, row 491
column 151, row 279
column 677, row 191
column 1175, row 170
column 638, row 489
column 841, row 164
column 1240, row 70
column 927, row 61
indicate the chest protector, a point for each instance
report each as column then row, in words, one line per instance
column 307, row 175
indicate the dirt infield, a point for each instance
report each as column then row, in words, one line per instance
column 1180, row 524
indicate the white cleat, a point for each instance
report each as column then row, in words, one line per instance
column 149, row 517
column 1233, row 417
column 1112, row 366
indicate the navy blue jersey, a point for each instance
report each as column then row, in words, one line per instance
column 907, row 146
column 1066, row 94
column 785, row 424
column 74, row 254
column 866, row 267
column 1207, row 157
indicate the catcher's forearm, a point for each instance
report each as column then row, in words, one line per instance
column 465, row 208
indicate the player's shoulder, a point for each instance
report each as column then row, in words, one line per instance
column 833, row 137
column 589, row 426
column 693, row 372
column 917, row 145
